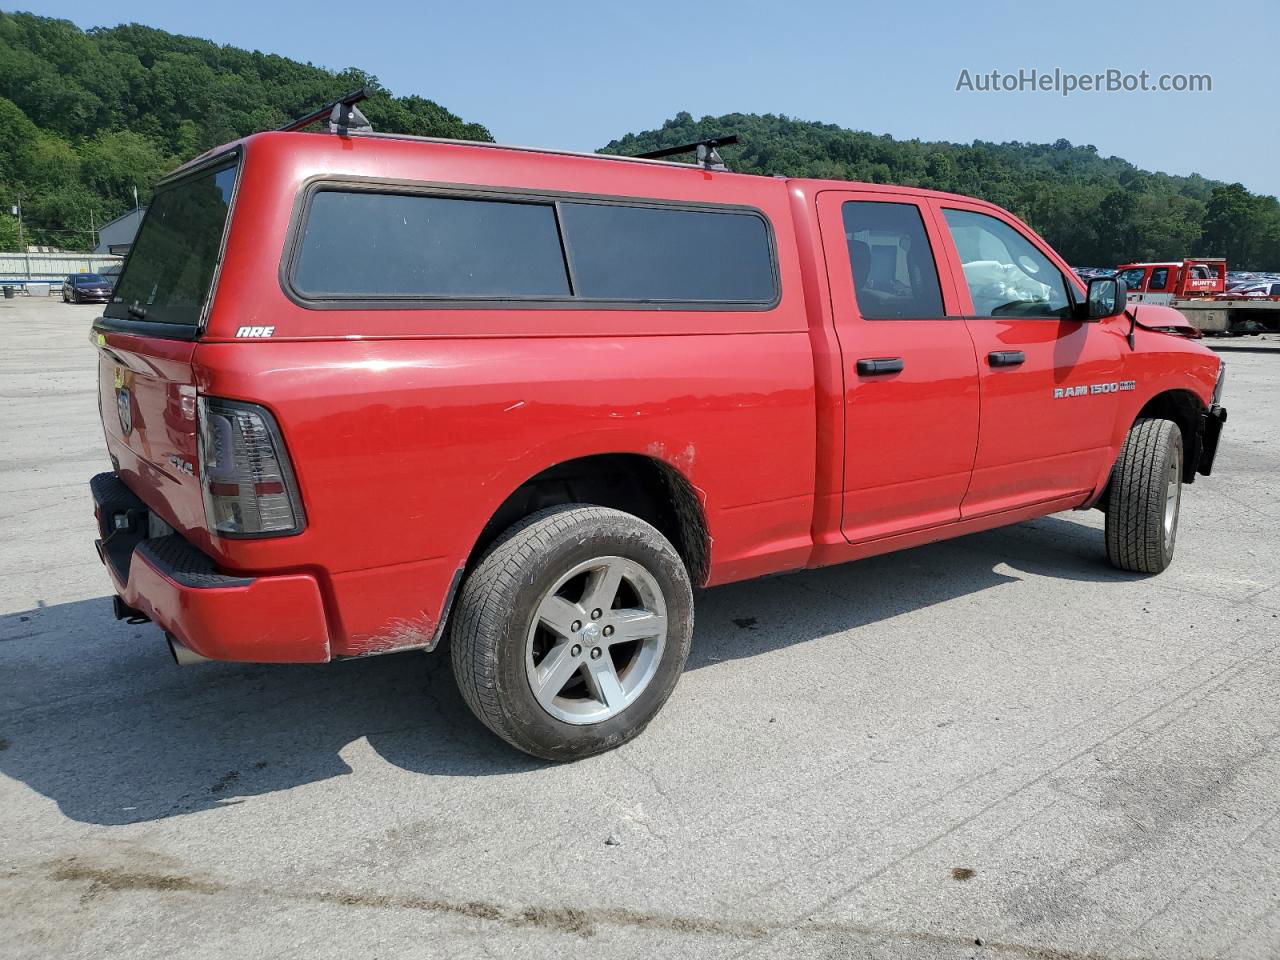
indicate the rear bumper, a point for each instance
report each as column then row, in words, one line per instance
column 269, row 619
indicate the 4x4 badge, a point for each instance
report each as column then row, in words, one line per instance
column 124, row 408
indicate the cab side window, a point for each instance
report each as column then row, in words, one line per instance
column 1007, row 276
column 1159, row 278
column 894, row 274
column 1132, row 278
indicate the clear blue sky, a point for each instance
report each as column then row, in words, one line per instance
column 576, row 74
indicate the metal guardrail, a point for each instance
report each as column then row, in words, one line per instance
column 20, row 286
column 17, row 269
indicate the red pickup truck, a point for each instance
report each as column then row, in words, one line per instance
column 367, row 393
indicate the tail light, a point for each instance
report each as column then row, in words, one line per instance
column 248, row 483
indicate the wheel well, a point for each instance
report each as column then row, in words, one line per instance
column 642, row 486
column 1185, row 409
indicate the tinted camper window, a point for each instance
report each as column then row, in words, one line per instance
column 370, row 245
column 648, row 254
column 366, row 245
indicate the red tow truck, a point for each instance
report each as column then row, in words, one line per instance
column 1196, row 288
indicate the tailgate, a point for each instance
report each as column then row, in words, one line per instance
column 146, row 339
column 147, row 395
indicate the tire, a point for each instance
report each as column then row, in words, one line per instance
column 512, row 632
column 1145, row 497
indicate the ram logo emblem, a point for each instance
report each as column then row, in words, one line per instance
column 124, row 410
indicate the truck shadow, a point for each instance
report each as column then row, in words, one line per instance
column 97, row 719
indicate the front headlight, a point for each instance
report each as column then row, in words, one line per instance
column 1222, row 379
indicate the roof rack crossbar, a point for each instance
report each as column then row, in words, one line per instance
column 706, row 151
column 342, row 114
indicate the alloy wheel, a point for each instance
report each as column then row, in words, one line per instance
column 596, row 640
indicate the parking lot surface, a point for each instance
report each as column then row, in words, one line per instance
column 997, row 746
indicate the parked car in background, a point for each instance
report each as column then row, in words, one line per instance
column 1256, row 288
column 86, row 288
column 1237, row 279
column 111, row 274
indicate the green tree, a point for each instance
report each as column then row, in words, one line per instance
column 86, row 115
column 1097, row 211
column 1241, row 226
column 8, row 229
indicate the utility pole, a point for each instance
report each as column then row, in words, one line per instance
column 26, row 254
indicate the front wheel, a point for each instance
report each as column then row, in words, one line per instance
column 1145, row 498
column 572, row 632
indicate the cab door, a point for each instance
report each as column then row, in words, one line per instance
column 1159, row 287
column 1050, row 384
column 910, row 376
column 1135, row 279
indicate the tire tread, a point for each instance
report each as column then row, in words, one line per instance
column 1135, row 506
column 485, row 605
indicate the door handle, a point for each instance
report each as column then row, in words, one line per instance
column 871, row 367
column 1006, row 358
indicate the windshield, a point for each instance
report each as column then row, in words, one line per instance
column 85, row 279
column 170, row 267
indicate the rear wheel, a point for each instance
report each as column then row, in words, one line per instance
column 573, row 630
column 1145, row 498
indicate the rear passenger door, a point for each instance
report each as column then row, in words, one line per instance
column 1049, row 382
column 910, row 376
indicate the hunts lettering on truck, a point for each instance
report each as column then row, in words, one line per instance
column 529, row 400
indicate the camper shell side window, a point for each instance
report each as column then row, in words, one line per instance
column 361, row 245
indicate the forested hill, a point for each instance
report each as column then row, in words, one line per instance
column 86, row 115
column 1098, row 211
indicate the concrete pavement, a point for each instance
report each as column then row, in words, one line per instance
column 992, row 747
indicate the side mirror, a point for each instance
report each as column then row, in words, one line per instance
column 1107, row 297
